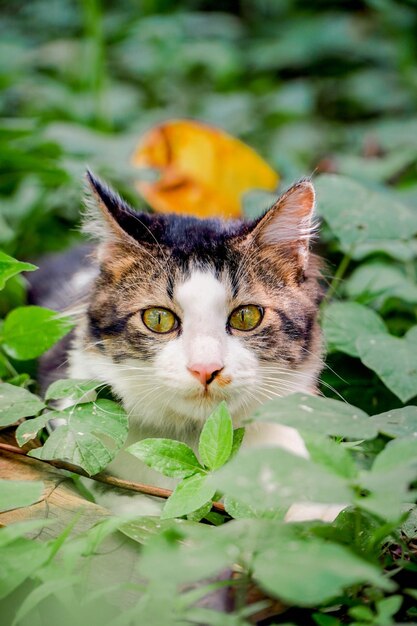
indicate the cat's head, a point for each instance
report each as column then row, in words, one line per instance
column 188, row 312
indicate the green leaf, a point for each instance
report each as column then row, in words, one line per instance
column 29, row 429
column 396, row 453
column 271, row 478
column 191, row 494
column 216, row 439
column 409, row 526
column 10, row 267
column 344, row 322
column 354, row 527
column 323, row 416
column 15, row 494
column 389, row 480
column 375, row 169
column 238, row 435
column 171, row 458
column 146, row 526
column 16, row 402
column 199, row 514
column 238, row 510
column 387, row 608
column 19, row 561
column 362, row 613
column 325, row 620
column 327, row 569
column 357, row 214
column 399, row 250
column 186, row 552
column 393, row 359
column 40, row 593
column 217, row 519
column 203, row 615
column 76, row 389
column 21, row 380
column 388, row 491
column 90, row 438
column 329, row 454
column 398, row 422
column 31, row 330
column 5, row 368
column 379, row 281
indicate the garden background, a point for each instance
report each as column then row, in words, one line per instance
column 327, row 89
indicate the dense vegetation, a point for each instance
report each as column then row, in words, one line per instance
column 320, row 89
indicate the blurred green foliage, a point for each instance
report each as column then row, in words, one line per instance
column 321, row 86
column 324, row 88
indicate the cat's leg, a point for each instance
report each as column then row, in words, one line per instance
column 307, row 511
column 264, row 434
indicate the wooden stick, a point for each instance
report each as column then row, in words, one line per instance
column 105, row 478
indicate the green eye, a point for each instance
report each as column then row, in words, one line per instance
column 159, row 320
column 246, row 317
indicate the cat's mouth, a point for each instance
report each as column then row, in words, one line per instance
column 208, row 393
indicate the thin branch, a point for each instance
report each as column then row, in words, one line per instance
column 149, row 490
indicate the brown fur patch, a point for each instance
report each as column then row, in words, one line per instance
column 223, row 381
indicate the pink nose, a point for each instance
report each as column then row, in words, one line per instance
column 205, row 372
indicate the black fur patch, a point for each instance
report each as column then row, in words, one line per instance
column 289, row 327
column 188, row 239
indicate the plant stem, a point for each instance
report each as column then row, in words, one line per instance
column 340, row 272
column 95, row 67
column 105, row 478
column 5, row 361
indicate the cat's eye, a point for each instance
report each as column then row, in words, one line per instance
column 246, row 317
column 159, row 320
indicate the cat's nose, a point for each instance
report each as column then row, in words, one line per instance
column 205, row 372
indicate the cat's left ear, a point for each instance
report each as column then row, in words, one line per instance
column 289, row 223
column 107, row 217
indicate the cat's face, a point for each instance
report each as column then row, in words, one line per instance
column 189, row 312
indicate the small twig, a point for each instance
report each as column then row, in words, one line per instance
column 105, row 478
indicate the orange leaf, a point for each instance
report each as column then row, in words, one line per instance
column 203, row 170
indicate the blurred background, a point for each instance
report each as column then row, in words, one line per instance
column 322, row 86
column 327, row 86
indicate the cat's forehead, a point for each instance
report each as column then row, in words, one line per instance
column 186, row 234
column 202, row 293
column 192, row 241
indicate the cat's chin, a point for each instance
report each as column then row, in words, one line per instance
column 189, row 409
column 204, row 395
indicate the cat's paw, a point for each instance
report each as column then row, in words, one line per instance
column 311, row 511
column 264, row 434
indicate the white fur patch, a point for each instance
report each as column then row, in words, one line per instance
column 83, row 278
column 204, row 303
column 203, row 300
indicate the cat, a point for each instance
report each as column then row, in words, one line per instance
column 178, row 313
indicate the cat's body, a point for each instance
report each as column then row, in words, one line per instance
column 177, row 314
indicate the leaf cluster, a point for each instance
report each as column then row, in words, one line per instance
column 326, row 87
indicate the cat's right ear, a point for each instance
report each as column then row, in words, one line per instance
column 108, row 218
column 289, row 224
